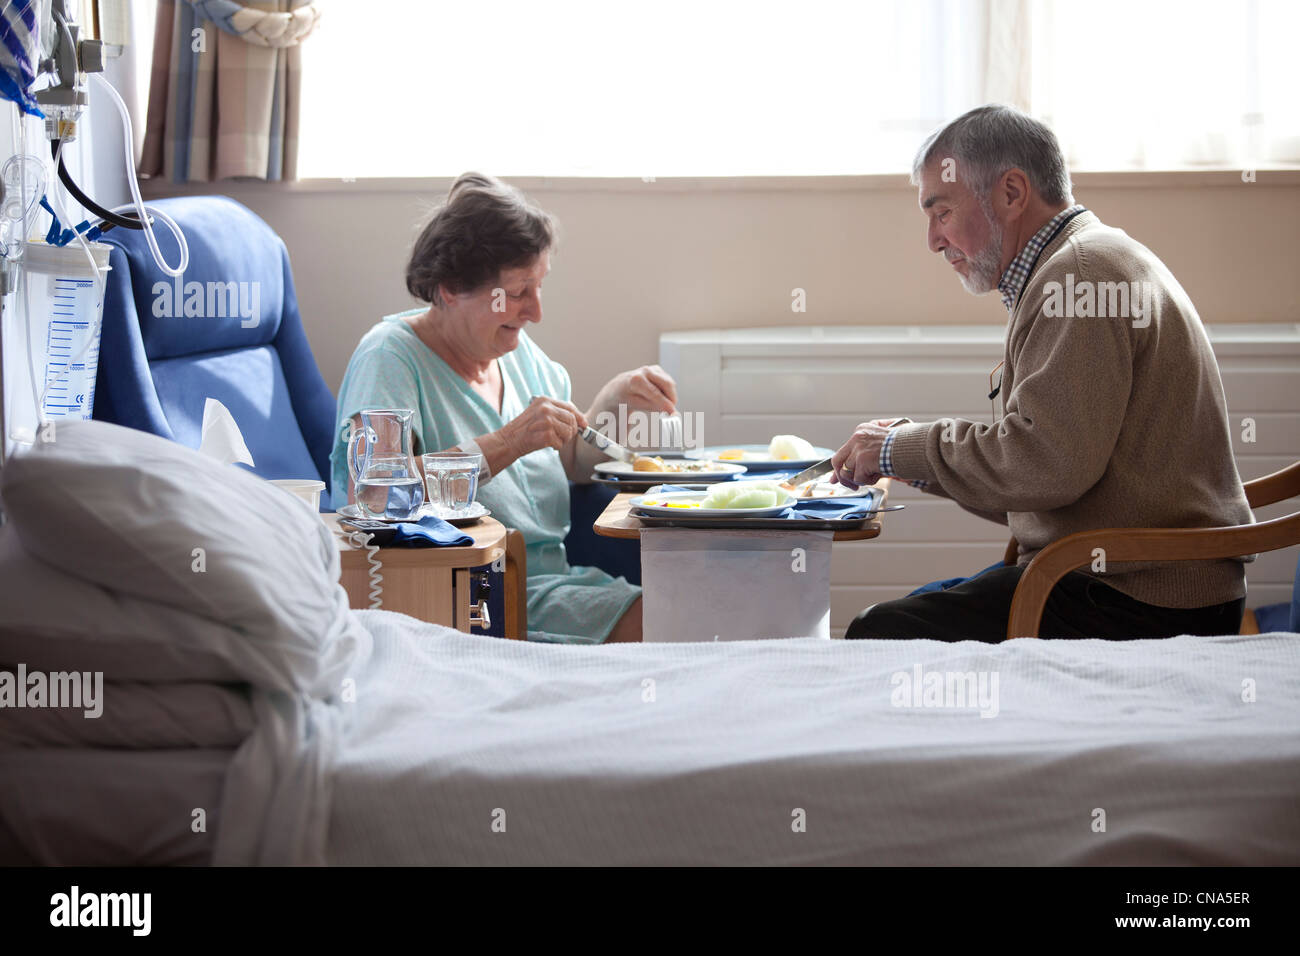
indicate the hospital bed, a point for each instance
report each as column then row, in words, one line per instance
column 251, row 718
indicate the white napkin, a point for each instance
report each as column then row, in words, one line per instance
column 221, row 437
column 704, row 585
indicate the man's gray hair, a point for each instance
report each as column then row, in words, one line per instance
column 987, row 141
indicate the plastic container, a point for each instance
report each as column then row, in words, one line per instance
column 306, row 490
column 63, row 309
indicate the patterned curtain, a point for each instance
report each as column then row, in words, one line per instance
column 224, row 93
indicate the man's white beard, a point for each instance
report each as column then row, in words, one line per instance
column 985, row 265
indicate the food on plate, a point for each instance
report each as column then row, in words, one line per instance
column 744, row 494
column 730, row 495
column 732, row 454
column 790, row 448
column 656, row 464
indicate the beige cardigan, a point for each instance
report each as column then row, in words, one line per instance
column 1111, row 420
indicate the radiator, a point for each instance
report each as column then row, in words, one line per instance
column 820, row 382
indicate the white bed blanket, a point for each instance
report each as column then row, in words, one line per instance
column 468, row 750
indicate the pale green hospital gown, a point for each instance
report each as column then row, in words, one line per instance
column 392, row 368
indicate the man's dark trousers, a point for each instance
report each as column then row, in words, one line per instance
column 1080, row 606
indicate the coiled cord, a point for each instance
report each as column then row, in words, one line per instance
column 362, row 539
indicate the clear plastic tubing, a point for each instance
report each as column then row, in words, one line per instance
column 134, row 184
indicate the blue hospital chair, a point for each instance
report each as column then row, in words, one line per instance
column 156, row 367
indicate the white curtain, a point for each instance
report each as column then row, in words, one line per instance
column 1167, row 84
column 670, row 88
column 761, row 87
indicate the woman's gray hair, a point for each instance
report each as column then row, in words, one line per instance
column 482, row 227
column 987, row 141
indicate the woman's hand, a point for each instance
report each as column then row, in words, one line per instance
column 545, row 423
column 645, row 389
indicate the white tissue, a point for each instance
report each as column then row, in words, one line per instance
column 221, row 438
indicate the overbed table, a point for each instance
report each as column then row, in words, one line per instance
column 616, row 522
column 773, row 602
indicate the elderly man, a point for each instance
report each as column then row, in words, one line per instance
column 1113, row 411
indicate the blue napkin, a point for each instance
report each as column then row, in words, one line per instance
column 834, row 509
column 429, row 532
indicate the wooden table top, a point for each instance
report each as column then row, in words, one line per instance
column 489, row 544
column 616, row 522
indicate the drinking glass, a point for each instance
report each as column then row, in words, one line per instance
column 452, row 482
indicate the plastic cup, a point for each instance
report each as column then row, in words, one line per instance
column 306, row 490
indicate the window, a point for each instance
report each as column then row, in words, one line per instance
column 411, row 88
column 1168, row 85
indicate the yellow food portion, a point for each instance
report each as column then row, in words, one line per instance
column 648, row 463
column 732, row 454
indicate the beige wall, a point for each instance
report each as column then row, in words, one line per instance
column 637, row 258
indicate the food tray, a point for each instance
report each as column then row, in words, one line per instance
column 765, row 524
column 759, row 524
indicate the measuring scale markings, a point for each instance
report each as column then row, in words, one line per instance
column 65, row 339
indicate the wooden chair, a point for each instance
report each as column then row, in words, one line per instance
column 1152, row 544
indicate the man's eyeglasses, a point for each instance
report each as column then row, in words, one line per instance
column 994, row 389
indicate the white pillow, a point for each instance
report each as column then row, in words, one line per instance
column 147, row 518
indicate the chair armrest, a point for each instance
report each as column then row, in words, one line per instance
column 1137, row 544
column 1273, row 488
column 516, row 583
column 1012, row 554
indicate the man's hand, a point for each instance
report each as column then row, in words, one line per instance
column 545, row 423
column 857, row 462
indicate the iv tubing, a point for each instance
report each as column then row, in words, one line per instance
column 141, row 210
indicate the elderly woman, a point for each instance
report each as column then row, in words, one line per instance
column 479, row 383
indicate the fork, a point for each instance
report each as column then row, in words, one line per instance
column 671, row 433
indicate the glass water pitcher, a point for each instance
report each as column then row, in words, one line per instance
column 387, row 478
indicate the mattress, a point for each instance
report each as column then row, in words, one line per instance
column 470, row 751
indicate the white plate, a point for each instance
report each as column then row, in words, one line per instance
column 757, row 459
column 475, row 511
column 664, row 511
column 622, row 469
column 824, row 490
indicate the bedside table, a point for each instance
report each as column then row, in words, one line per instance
column 430, row 584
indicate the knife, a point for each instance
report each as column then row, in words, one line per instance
column 610, row 447
column 824, row 467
